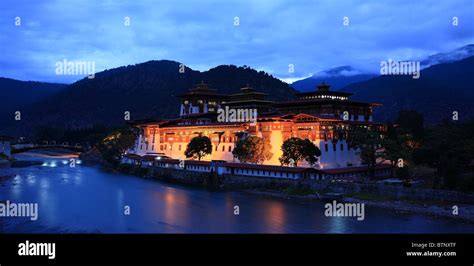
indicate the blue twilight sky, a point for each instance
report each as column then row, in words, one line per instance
column 272, row 34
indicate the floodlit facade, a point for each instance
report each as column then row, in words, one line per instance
column 322, row 116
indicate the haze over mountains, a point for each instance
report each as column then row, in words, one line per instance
column 149, row 89
column 448, row 57
column 440, row 90
column 342, row 76
column 338, row 77
column 445, row 85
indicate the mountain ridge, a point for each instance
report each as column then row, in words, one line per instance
column 19, row 94
column 145, row 90
column 431, row 94
column 338, row 77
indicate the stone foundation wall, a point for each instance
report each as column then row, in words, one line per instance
column 228, row 181
column 397, row 192
column 185, row 177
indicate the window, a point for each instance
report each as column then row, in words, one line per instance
column 223, row 147
column 161, row 147
column 216, row 147
column 326, row 148
column 230, row 148
column 342, row 147
column 179, row 147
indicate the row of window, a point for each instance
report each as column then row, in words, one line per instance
column 326, row 147
column 223, row 148
column 185, row 133
column 265, row 173
column 164, row 147
column 195, row 167
column 325, row 97
column 361, row 174
column 229, row 149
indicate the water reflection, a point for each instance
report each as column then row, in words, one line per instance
column 277, row 216
column 175, row 207
column 338, row 224
column 88, row 199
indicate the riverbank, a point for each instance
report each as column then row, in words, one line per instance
column 465, row 211
column 304, row 191
column 73, row 205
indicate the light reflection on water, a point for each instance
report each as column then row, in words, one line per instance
column 87, row 199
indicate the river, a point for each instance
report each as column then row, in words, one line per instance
column 88, row 199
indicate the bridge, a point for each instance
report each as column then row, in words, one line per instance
column 74, row 148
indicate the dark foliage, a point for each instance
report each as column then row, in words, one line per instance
column 198, row 147
column 296, row 149
column 146, row 90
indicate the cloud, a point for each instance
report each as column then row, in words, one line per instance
column 201, row 34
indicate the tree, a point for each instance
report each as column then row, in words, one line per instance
column 411, row 122
column 448, row 148
column 296, row 149
column 395, row 148
column 310, row 152
column 198, row 147
column 402, row 139
column 115, row 144
column 252, row 150
column 368, row 141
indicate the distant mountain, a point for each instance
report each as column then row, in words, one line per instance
column 342, row 76
column 146, row 90
column 440, row 90
column 448, row 57
column 17, row 94
column 338, row 77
